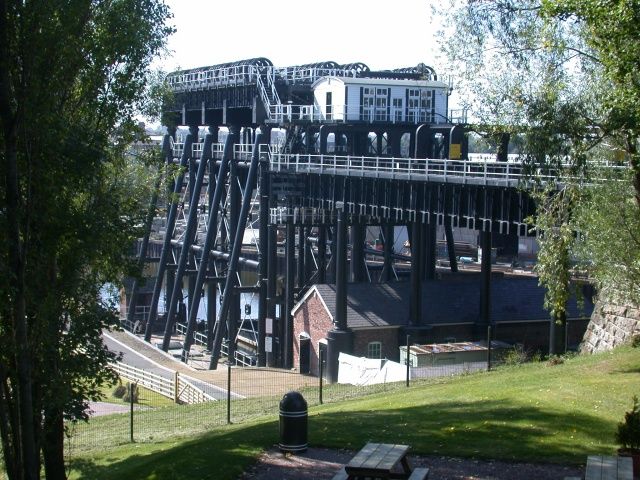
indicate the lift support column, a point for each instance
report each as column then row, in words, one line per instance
column 339, row 339
column 485, row 286
column 272, row 272
column 263, row 257
column 415, row 303
column 290, row 259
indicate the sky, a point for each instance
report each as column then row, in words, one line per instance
column 382, row 34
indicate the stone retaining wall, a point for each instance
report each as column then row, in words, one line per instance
column 610, row 326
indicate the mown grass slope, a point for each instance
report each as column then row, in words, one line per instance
column 534, row 412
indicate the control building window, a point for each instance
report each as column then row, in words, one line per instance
column 374, row 350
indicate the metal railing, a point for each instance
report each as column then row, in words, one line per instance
column 213, row 78
column 311, row 74
column 442, row 170
column 245, row 74
column 479, row 169
column 199, row 338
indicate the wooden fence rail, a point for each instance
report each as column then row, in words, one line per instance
column 177, row 389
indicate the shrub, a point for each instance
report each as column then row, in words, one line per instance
column 134, row 391
column 635, row 341
column 515, row 356
column 628, row 433
column 119, row 391
column 555, row 360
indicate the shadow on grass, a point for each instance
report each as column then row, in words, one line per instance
column 485, row 429
column 218, row 455
column 481, row 429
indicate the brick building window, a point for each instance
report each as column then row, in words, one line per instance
column 374, row 350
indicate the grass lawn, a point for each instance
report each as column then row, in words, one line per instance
column 146, row 397
column 533, row 412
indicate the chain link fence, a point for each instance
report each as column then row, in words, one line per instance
column 146, row 409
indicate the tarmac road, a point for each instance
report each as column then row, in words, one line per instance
column 136, row 359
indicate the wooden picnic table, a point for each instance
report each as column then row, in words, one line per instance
column 602, row 467
column 380, row 461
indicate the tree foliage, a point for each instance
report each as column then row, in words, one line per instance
column 72, row 77
column 564, row 74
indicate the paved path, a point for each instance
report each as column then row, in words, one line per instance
column 246, row 382
column 142, row 355
column 105, row 408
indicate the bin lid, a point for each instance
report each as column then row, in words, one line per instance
column 293, row 402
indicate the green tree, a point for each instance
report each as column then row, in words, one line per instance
column 72, row 76
column 564, row 73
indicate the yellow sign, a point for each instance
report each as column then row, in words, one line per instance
column 455, row 151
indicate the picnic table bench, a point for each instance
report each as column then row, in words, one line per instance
column 602, row 467
column 381, row 460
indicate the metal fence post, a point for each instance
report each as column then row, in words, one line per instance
column 489, row 348
column 321, row 373
column 407, row 358
column 228, row 392
column 131, row 390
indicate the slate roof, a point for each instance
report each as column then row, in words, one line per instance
column 445, row 301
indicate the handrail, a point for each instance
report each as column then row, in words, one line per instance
column 445, row 170
column 263, row 95
column 244, row 74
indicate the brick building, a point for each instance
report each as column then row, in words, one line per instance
column 378, row 316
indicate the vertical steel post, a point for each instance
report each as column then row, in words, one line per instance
column 290, row 250
column 212, row 226
column 408, row 358
column 488, row 347
column 485, row 286
column 415, row 304
column 131, row 391
column 235, row 252
column 228, row 392
column 357, row 252
column 301, row 258
column 166, row 244
column 263, row 258
column 431, row 250
column 340, row 338
column 320, row 373
column 322, row 254
column 272, row 269
column 341, row 269
column 387, row 247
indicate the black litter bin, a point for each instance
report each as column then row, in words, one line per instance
column 293, row 423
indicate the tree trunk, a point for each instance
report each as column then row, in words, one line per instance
column 502, row 151
column 6, row 428
column 53, row 445
column 24, row 436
